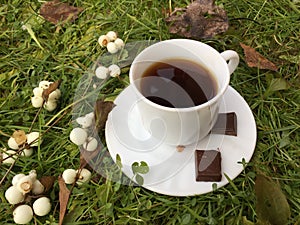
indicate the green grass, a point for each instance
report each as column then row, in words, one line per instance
column 271, row 27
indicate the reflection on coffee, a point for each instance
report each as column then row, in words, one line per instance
column 178, row 83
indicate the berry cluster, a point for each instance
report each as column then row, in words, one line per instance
column 111, row 41
column 16, row 141
column 37, row 100
column 22, row 186
column 71, row 176
column 102, row 72
column 79, row 135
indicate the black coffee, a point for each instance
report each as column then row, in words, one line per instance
column 178, row 83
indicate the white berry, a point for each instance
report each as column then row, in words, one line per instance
column 69, row 176
column 27, row 152
column 41, row 206
column 90, row 115
column 54, row 95
column 37, row 101
column 91, row 144
column 32, row 174
column 16, row 178
column 13, row 195
column 114, row 70
column 50, row 105
column 25, row 184
column 85, row 121
column 12, row 143
column 44, row 84
column 101, row 72
column 38, row 91
column 11, row 159
column 112, row 47
column 111, row 35
column 37, row 188
column 32, row 139
column 23, row 214
column 119, row 43
column 78, row 136
column 84, row 176
column 103, row 40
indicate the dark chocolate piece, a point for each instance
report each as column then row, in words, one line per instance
column 208, row 165
column 226, row 124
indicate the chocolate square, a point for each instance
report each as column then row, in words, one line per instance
column 208, row 165
column 226, row 124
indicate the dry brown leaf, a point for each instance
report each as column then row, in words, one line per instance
column 64, row 195
column 56, row 11
column 20, row 137
column 254, row 59
column 52, row 87
column 47, row 182
column 200, row 19
column 101, row 110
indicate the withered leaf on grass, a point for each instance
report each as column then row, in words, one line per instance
column 56, row 11
column 101, row 110
column 52, row 87
column 64, row 195
column 254, row 59
column 200, row 19
column 271, row 204
column 47, row 182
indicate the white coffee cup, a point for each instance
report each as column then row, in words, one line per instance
column 182, row 126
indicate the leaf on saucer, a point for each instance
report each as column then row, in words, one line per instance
column 141, row 167
column 56, row 12
column 255, row 59
column 118, row 161
column 101, row 110
column 200, row 19
column 271, row 203
column 139, row 179
column 135, row 167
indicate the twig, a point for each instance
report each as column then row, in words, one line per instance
column 9, row 169
column 35, row 117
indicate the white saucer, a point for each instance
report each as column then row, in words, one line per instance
column 172, row 172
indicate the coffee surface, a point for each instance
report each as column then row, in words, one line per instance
column 178, row 83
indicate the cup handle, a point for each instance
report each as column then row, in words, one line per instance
column 233, row 58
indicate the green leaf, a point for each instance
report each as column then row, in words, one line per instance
column 245, row 221
column 118, row 161
column 139, row 179
column 278, row 84
column 186, row 219
column 231, row 182
column 32, row 35
column 143, row 168
column 293, row 59
column 135, row 167
column 271, row 203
